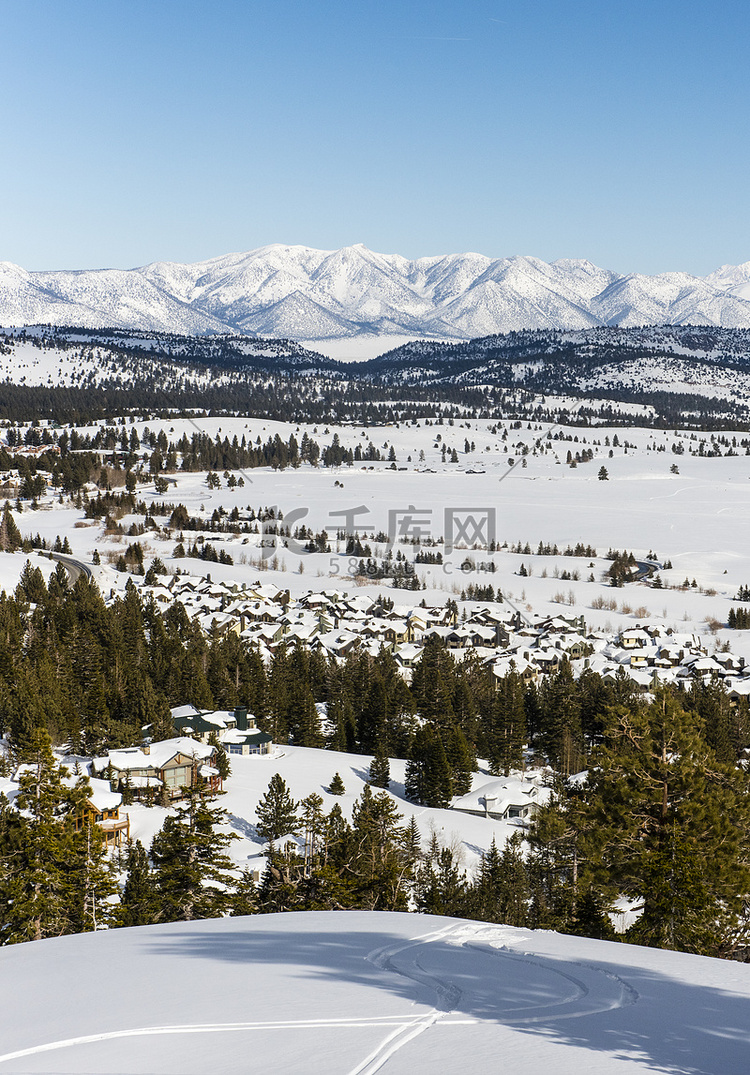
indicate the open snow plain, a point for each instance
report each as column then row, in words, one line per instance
column 690, row 509
column 353, row 993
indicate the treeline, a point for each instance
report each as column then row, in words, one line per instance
column 94, row 676
column 663, row 816
column 658, row 819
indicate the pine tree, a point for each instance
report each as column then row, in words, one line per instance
column 379, row 775
column 58, row 879
column 507, row 726
column 428, row 775
column 379, row 864
column 412, row 843
column 193, row 872
column 440, row 887
column 276, row 811
column 139, row 905
column 336, row 787
column 668, row 824
column 243, row 897
column 10, row 536
column 461, row 760
column 313, row 825
column 90, row 880
column 221, row 758
column 562, row 734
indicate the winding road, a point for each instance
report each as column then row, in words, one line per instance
column 75, row 568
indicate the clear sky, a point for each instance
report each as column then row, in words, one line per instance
column 143, row 130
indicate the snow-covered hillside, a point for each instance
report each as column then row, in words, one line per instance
column 354, row 993
column 315, row 295
column 175, row 363
column 307, row 771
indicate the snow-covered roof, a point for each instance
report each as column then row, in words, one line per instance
column 498, row 795
column 159, row 754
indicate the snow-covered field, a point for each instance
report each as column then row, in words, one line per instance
column 695, row 518
column 353, row 993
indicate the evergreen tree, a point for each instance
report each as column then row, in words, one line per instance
column 336, row 787
column 10, row 536
column 276, row 811
column 428, row 775
column 90, row 880
column 192, row 870
column 57, row 879
column 461, row 761
column 667, row 824
column 139, row 905
column 380, row 770
column 433, row 683
column 243, row 897
column 440, row 887
column 313, row 826
column 561, row 734
column 506, row 733
column 379, row 865
column 221, row 758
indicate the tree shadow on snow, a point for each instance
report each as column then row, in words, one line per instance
column 635, row 1013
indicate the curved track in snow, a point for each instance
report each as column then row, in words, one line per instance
column 467, row 972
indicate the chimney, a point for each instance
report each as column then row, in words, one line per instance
column 240, row 718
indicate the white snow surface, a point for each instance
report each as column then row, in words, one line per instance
column 354, row 993
column 319, row 295
column 306, row 770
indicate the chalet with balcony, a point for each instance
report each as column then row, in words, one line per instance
column 102, row 809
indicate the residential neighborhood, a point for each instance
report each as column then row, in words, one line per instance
column 337, row 624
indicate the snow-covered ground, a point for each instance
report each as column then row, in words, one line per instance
column 695, row 518
column 353, row 993
column 305, row 771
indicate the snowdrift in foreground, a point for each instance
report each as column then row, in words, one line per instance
column 355, row 993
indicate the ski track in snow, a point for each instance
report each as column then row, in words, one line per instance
column 593, row 991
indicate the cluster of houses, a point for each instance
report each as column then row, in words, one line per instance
column 338, row 624
column 156, row 772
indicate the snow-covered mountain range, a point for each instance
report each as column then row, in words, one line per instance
column 300, row 293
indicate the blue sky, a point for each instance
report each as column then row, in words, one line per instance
column 177, row 130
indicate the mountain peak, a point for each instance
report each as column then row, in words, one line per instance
column 306, row 293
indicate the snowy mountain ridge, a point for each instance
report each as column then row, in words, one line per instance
column 301, row 293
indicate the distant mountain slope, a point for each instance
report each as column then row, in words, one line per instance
column 624, row 364
column 680, row 374
column 107, row 359
column 301, row 293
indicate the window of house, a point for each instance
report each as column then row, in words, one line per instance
column 177, row 777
